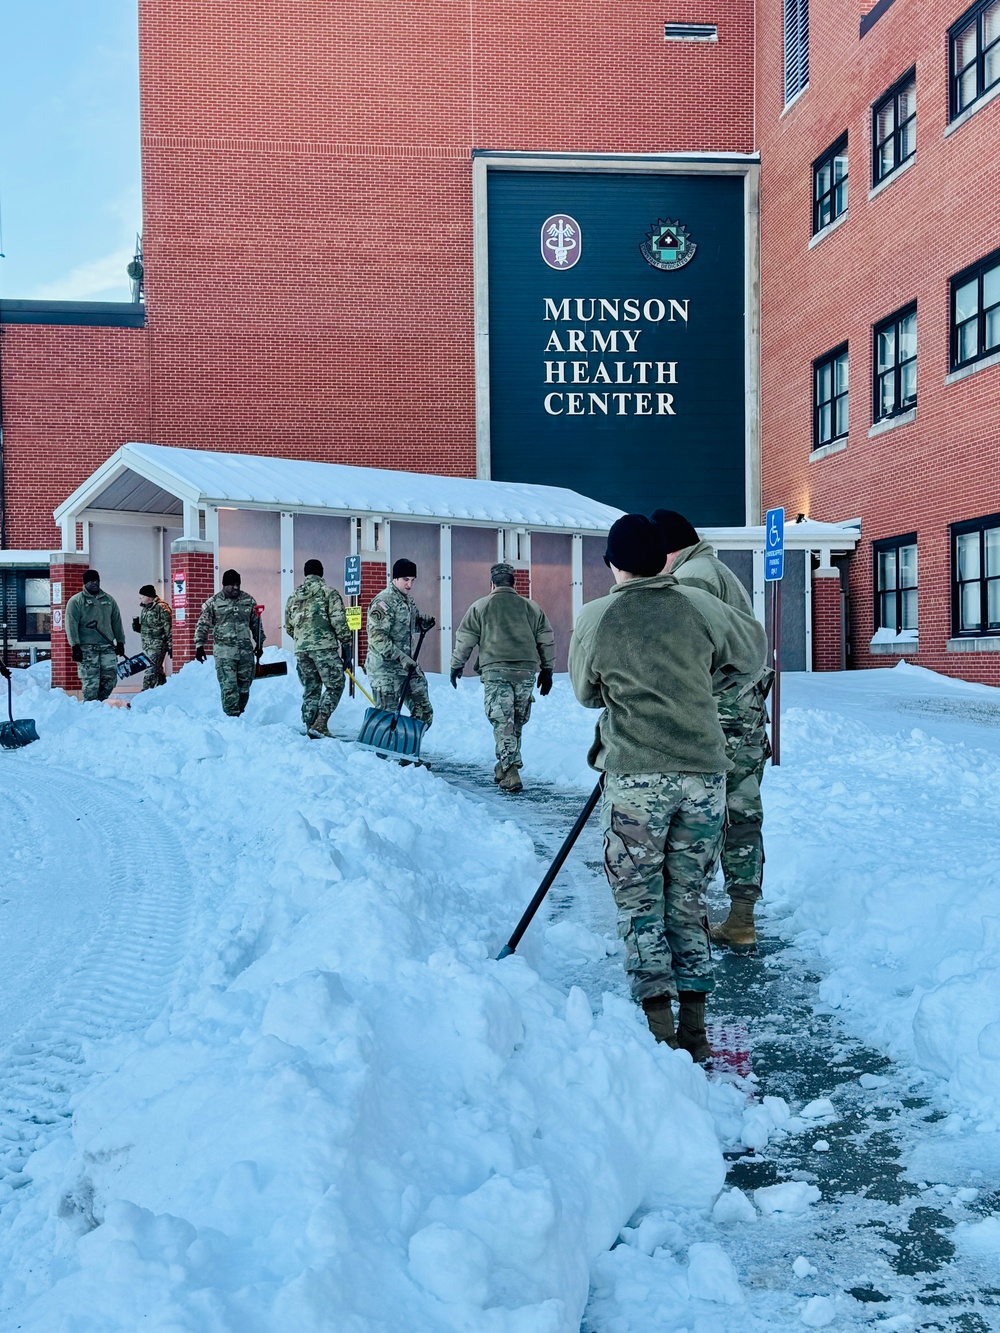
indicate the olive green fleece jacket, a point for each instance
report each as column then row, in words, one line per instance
column 83, row 610
column 699, row 567
column 646, row 653
column 510, row 631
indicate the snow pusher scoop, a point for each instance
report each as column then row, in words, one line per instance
column 553, row 870
column 390, row 734
column 265, row 669
column 127, row 666
column 15, row 734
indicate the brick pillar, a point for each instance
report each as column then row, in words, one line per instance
column 374, row 577
column 522, row 582
column 192, row 582
column 66, row 580
column 828, row 621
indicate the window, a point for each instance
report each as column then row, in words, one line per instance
column 975, row 312
column 34, row 609
column 975, row 564
column 830, row 184
column 975, row 54
column 896, row 584
column 894, row 128
column 830, row 398
column 796, row 47
column 895, row 378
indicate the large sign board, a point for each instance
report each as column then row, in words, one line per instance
column 617, row 333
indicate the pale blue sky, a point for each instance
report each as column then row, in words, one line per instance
column 69, row 148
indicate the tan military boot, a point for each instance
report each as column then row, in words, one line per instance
column 319, row 729
column 691, row 1034
column 511, row 780
column 498, row 772
column 737, row 932
column 660, row 1017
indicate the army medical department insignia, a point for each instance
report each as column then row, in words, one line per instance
column 668, row 245
column 562, row 243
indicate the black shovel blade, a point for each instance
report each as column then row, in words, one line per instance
column 131, row 666
column 379, row 733
column 15, row 734
column 265, row 669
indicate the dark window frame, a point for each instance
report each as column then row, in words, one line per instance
column 880, row 548
column 21, row 577
column 891, row 95
column 837, row 149
column 795, row 48
column 982, row 526
column 893, row 320
column 829, row 358
column 977, row 271
column 974, row 15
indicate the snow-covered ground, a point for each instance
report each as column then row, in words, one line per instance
column 262, row 1073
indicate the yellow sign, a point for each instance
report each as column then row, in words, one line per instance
column 353, row 614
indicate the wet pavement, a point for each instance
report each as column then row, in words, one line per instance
column 882, row 1237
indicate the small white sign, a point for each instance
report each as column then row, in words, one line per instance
column 180, row 613
column 57, row 594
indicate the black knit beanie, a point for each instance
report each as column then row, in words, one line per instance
column 404, row 569
column 313, row 567
column 91, row 576
column 231, row 577
column 635, row 545
column 147, row 590
column 675, row 529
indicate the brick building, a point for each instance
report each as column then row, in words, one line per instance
column 880, row 310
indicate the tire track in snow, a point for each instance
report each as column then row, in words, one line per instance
column 116, row 975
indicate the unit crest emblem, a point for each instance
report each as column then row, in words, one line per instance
column 668, row 245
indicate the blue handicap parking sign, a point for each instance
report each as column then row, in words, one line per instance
column 774, row 545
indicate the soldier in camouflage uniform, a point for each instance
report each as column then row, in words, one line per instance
column 230, row 616
column 315, row 619
column 154, row 623
column 515, row 641
column 646, row 654
column 96, row 635
column 743, row 714
column 393, row 624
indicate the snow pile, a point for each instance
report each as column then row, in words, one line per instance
column 349, row 1115
column 883, row 853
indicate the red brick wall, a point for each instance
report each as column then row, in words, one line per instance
column 828, row 623
column 374, row 577
column 197, row 568
column 71, row 397
column 937, row 217
column 68, row 574
column 522, row 582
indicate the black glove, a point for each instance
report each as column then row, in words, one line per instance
column 77, row 652
column 199, row 653
column 544, row 681
column 426, row 623
column 456, row 673
column 258, row 653
column 120, row 649
column 137, row 628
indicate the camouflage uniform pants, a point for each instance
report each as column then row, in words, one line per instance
column 155, row 675
column 662, row 834
column 322, row 677
column 234, row 668
column 387, row 686
column 507, row 700
column 747, row 749
column 97, row 671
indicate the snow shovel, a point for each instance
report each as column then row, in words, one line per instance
column 15, row 734
column 127, row 666
column 348, row 672
column 552, row 871
column 389, row 733
column 265, row 669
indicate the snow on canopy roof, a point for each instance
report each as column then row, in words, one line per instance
column 204, row 477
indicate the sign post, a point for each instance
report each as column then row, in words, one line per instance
column 774, row 568
column 352, row 589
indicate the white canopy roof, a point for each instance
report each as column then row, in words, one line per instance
column 156, row 478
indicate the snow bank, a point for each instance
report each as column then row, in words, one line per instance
column 883, row 854
column 349, row 1116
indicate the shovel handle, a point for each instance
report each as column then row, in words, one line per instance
column 406, row 682
column 359, row 685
